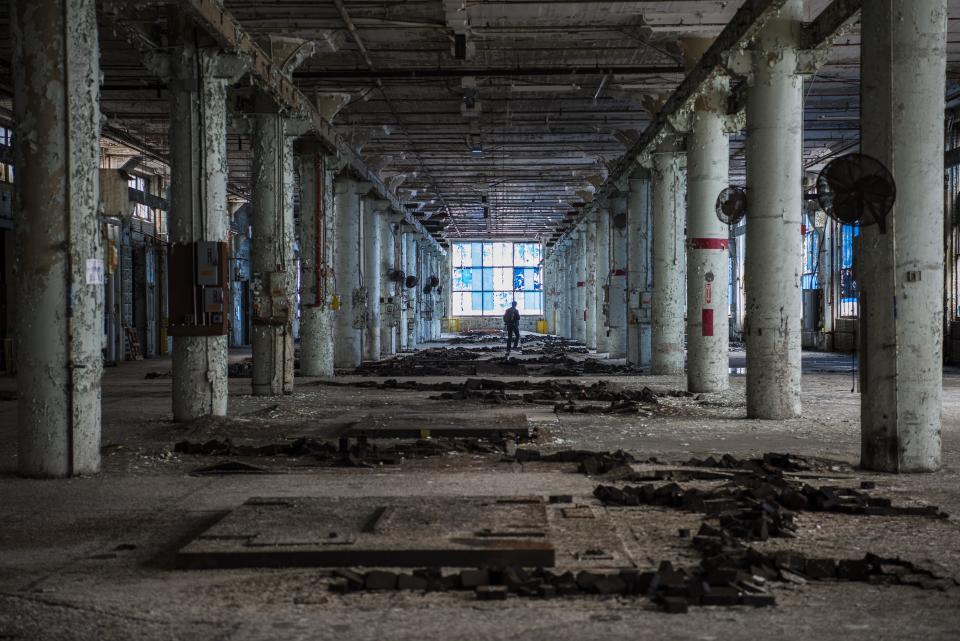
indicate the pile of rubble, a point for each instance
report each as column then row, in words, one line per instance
column 360, row 453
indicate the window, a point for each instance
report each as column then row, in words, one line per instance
column 848, row 285
column 487, row 277
column 6, row 169
column 141, row 184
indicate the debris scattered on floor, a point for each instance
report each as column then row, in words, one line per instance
column 228, row 467
column 358, row 454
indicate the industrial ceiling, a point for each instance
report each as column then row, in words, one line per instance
column 493, row 118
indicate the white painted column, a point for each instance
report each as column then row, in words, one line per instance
column 413, row 293
column 198, row 211
column 617, row 289
column 602, row 254
column 388, row 290
column 316, row 252
column 901, row 271
column 773, row 251
column 590, row 282
column 59, row 282
column 271, row 257
column 580, row 284
column 639, row 219
column 669, row 260
column 372, row 275
column 347, row 352
column 400, row 289
column 708, row 162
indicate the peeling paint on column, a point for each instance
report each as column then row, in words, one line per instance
column 669, row 261
column 59, row 313
column 372, row 213
column 316, row 322
column 617, row 288
column 413, row 292
column 708, row 161
column 198, row 211
column 901, row 331
column 773, row 242
column 602, row 253
column 639, row 205
column 389, row 338
column 347, row 352
column 271, row 256
column 590, row 285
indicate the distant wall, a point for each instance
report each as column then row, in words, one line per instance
column 527, row 323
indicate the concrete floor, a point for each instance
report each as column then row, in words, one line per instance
column 62, row 575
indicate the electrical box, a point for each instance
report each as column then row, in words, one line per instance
column 270, row 299
column 208, row 263
column 199, row 289
column 389, row 311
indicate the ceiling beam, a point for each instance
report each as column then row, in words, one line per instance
column 508, row 72
column 269, row 76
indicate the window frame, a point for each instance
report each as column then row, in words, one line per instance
column 491, row 284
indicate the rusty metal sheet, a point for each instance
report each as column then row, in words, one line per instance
column 376, row 531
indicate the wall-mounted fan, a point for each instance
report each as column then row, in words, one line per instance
column 619, row 221
column 434, row 281
column 732, row 205
column 856, row 189
column 396, row 275
column 411, row 282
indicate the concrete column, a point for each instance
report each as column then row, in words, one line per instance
column 708, row 258
column 316, row 234
column 572, row 265
column 59, row 258
column 563, row 298
column 602, row 258
column 901, row 271
column 401, row 291
column 388, row 289
column 773, row 252
column 590, row 283
column 669, row 260
column 617, row 290
column 446, row 284
column 824, row 273
column 438, row 269
column 549, row 292
column 198, row 212
column 372, row 275
column 580, row 285
column 413, row 293
column 348, row 323
column 271, row 257
column 639, row 219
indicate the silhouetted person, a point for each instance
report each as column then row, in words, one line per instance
column 511, row 319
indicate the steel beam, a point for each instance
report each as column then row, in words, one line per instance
column 268, row 75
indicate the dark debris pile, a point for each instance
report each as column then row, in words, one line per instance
column 360, row 453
